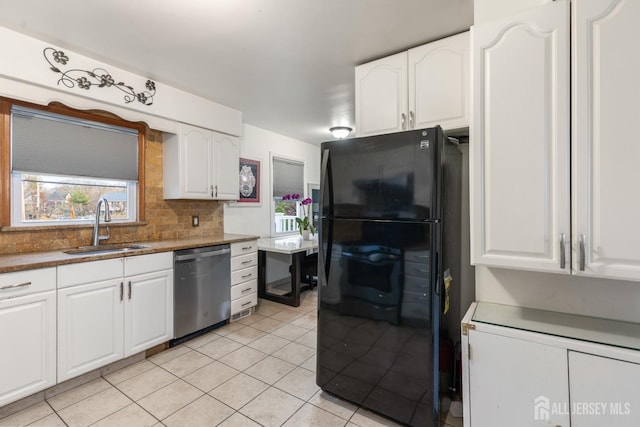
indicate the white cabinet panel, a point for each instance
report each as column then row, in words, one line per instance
column 509, row 378
column 226, row 155
column 608, row 383
column 195, row 162
column 28, row 334
column 239, row 248
column 439, row 83
column 520, row 153
column 90, row 327
column 148, row 316
column 381, row 95
column 606, row 118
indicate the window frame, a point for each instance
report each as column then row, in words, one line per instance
column 6, row 181
column 273, row 202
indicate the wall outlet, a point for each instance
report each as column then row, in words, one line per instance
column 195, row 221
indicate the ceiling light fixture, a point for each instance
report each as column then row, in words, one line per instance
column 340, row 131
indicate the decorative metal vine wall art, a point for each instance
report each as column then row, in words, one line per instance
column 98, row 77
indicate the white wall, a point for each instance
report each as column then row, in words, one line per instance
column 259, row 144
column 611, row 299
column 488, row 10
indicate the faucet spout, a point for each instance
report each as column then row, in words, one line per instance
column 96, row 238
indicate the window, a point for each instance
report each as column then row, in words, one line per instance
column 288, row 181
column 61, row 165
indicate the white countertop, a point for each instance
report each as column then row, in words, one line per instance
column 287, row 244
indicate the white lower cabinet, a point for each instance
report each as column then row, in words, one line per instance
column 527, row 367
column 604, row 391
column 27, row 333
column 509, row 377
column 111, row 309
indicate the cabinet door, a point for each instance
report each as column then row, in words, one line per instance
column 512, row 381
column 148, row 311
column 381, row 96
column 606, row 89
column 226, row 155
column 607, row 385
column 520, row 141
column 439, row 83
column 28, row 336
column 90, row 327
column 196, row 155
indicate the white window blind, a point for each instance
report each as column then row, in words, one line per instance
column 288, row 177
column 47, row 143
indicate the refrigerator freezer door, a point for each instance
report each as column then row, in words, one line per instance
column 392, row 176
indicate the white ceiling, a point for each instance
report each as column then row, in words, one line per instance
column 286, row 64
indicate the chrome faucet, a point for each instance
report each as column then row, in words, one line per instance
column 95, row 241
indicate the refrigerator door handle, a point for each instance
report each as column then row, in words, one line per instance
column 323, row 266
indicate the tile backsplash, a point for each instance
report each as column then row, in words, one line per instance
column 165, row 219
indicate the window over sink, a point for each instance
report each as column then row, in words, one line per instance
column 63, row 161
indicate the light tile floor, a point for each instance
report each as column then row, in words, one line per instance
column 259, row 371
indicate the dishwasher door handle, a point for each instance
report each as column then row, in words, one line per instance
column 202, row 255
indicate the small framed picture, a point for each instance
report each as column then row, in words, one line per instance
column 249, row 181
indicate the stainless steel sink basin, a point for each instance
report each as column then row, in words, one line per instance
column 101, row 249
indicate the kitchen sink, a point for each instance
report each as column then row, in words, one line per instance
column 102, row 249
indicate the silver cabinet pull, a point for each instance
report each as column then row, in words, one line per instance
column 246, row 248
column 212, row 192
column 582, row 251
column 249, row 261
column 17, row 285
column 246, row 290
column 403, row 117
column 121, row 291
column 129, row 290
column 411, row 123
column 247, row 275
column 563, row 245
column 246, row 303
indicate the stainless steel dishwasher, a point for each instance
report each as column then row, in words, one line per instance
column 202, row 288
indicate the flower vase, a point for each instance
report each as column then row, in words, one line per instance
column 305, row 234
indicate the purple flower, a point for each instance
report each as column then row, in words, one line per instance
column 286, row 197
column 306, row 201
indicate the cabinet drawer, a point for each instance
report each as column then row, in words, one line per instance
column 244, row 275
column 142, row 264
column 240, row 248
column 89, row 272
column 244, row 261
column 243, row 303
column 26, row 282
column 244, row 289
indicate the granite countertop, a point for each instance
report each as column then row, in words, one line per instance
column 27, row 261
column 286, row 245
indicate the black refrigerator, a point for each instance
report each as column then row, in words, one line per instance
column 379, row 273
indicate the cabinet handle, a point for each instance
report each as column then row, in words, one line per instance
column 403, row 117
column 582, row 251
column 246, row 303
column 17, row 285
column 247, row 275
column 212, row 196
column 563, row 245
column 121, row 291
column 216, row 191
column 246, row 262
column 246, row 248
column 411, row 120
column 245, row 290
column 129, row 289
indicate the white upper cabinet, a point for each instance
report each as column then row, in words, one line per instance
column 439, row 83
column 606, row 122
column 381, row 95
column 425, row 86
column 520, row 140
column 522, row 159
column 200, row 164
